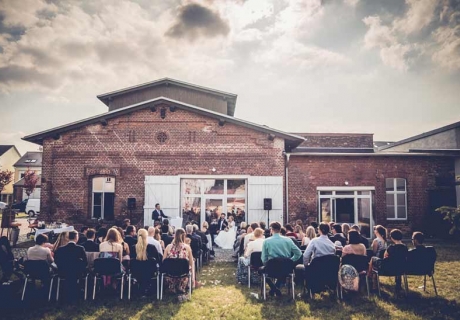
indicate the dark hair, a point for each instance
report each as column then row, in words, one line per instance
column 275, row 226
column 396, row 234
column 418, row 236
column 102, row 232
column 314, row 224
column 166, row 222
column 337, row 228
column 129, row 229
column 262, row 225
column 354, row 237
column 324, row 228
column 83, row 229
column 254, row 226
column 73, row 235
column 156, row 204
column 289, row 228
column 41, row 239
column 381, row 231
column 164, row 229
column 283, row 231
column 90, row 233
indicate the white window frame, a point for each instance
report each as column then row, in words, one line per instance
column 103, row 191
column 395, row 194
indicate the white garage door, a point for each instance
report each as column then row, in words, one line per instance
column 265, row 187
column 164, row 190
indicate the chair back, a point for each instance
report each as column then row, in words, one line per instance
column 421, row 261
column 91, row 256
column 107, row 266
column 140, row 268
column 37, row 269
column 322, row 272
column 279, row 267
column 175, row 267
column 71, row 269
column 359, row 262
column 256, row 260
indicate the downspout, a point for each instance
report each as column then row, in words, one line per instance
column 286, row 174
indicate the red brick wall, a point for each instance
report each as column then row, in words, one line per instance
column 196, row 144
column 337, row 140
column 308, row 173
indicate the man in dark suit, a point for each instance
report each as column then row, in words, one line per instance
column 337, row 235
column 222, row 223
column 90, row 245
column 157, row 214
column 71, row 261
column 213, row 226
column 195, row 241
column 82, row 235
column 130, row 236
column 167, row 239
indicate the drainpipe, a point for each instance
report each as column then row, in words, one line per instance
column 286, row 173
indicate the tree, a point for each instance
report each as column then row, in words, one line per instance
column 452, row 215
column 30, row 181
column 6, row 176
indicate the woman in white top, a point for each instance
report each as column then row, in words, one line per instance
column 254, row 245
column 309, row 235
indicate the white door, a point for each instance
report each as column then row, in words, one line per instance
column 260, row 188
column 164, row 190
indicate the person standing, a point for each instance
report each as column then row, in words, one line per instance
column 157, row 214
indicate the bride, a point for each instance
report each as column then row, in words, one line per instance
column 226, row 238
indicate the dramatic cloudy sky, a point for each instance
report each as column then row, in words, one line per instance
column 389, row 67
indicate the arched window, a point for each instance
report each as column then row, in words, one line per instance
column 103, row 198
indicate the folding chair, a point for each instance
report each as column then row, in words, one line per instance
column 175, row 268
column 37, row 270
column 361, row 264
column 108, row 267
column 321, row 274
column 255, row 262
column 278, row 268
column 421, row 265
column 143, row 271
column 70, row 272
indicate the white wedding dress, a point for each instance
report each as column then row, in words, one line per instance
column 225, row 239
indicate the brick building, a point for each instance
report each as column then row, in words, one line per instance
column 180, row 145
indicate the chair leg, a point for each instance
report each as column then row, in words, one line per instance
column 434, row 285
column 341, row 291
column 57, row 290
column 293, row 287
column 158, row 287
column 129, row 287
column 161, row 292
column 378, row 285
column 51, row 289
column 190, row 286
column 264, row 288
column 424, row 283
column 311, row 294
column 249, row 276
column 94, row 287
column 367, row 286
column 406, row 283
column 122, row 283
column 86, row 287
column 24, row 290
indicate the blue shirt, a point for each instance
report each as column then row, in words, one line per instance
column 279, row 247
column 318, row 247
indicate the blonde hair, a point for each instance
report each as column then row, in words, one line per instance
column 141, row 245
column 243, row 225
column 311, row 233
column 258, row 233
column 62, row 240
column 345, row 229
column 298, row 229
column 113, row 236
column 205, row 225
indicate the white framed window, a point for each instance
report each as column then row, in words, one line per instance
column 396, row 198
column 103, row 196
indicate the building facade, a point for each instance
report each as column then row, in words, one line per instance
column 8, row 156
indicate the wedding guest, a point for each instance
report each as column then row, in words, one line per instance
column 112, row 244
column 253, row 246
column 319, row 246
column 126, row 249
column 130, row 234
column 363, row 239
column 299, row 232
column 179, row 250
column 379, row 245
column 345, row 229
column 101, row 234
column 39, row 251
column 165, row 235
column 250, row 234
column 309, row 235
column 61, row 241
column 82, row 235
column 90, row 245
column 151, row 240
column 6, row 259
column 157, row 237
column 278, row 247
column 337, row 235
column 145, row 252
column 354, row 245
column 290, row 231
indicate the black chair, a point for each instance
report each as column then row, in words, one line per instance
column 72, row 272
column 391, row 268
column 255, row 262
column 321, row 274
column 175, row 268
column 108, row 267
column 361, row 264
column 420, row 262
column 37, row 270
column 143, row 271
column 278, row 268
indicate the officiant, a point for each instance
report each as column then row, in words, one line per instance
column 158, row 215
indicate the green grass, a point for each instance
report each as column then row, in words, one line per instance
column 221, row 297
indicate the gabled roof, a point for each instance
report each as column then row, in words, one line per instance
column 294, row 140
column 5, row 148
column 423, row 135
column 230, row 97
column 21, row 182
column 30, row 159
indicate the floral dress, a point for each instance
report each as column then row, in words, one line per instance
column 177, row 285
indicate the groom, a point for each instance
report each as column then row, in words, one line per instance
column 222, row 223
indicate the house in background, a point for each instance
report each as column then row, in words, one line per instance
column 8, row 156
column 31, row 160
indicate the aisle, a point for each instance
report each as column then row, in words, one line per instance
column 223, row 255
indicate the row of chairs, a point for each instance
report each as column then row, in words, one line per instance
column 109, row 267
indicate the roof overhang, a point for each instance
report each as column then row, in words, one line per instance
column 376, row 154
column 229, row 97
column 292, row 140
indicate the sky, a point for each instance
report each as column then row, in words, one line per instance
column 390, row 67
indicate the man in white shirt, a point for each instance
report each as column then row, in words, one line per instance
column 319, row 246
column 151, row 240
column 250, row 236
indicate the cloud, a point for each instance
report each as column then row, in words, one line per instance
column 419, row 15
column 194, row 20
column 351, row 3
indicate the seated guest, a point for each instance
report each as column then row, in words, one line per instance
column 394, row 258
column 290, row 231
column 379, row 245
column 213, row 228
column 6, row 259
column 345, row 229
column 299, row 232
column 90, row 245
column 82, row 235
column 250, row 234
column 202, row 235
column 145, row 252
column 363, row 239
column 165, row 235
column 179, row 250
column 278, row 247
column 157, row 237
column 205, row 227
column 266, row 230
column 354, row 246
column 130, row 236
column 309, row 235
column 61, row 241
column 283, row 232
column 71, row 258
column 319, row 246
column 112, row 245
column 39, row 251
column 126, row 249
column 337, row 235
column 151, row 240
column 101, row 234
column 195, row 241
column 314, row 224
column 419, row 254
column 126, row 224
column 253, row 246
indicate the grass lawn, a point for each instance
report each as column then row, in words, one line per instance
column 221, row 297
